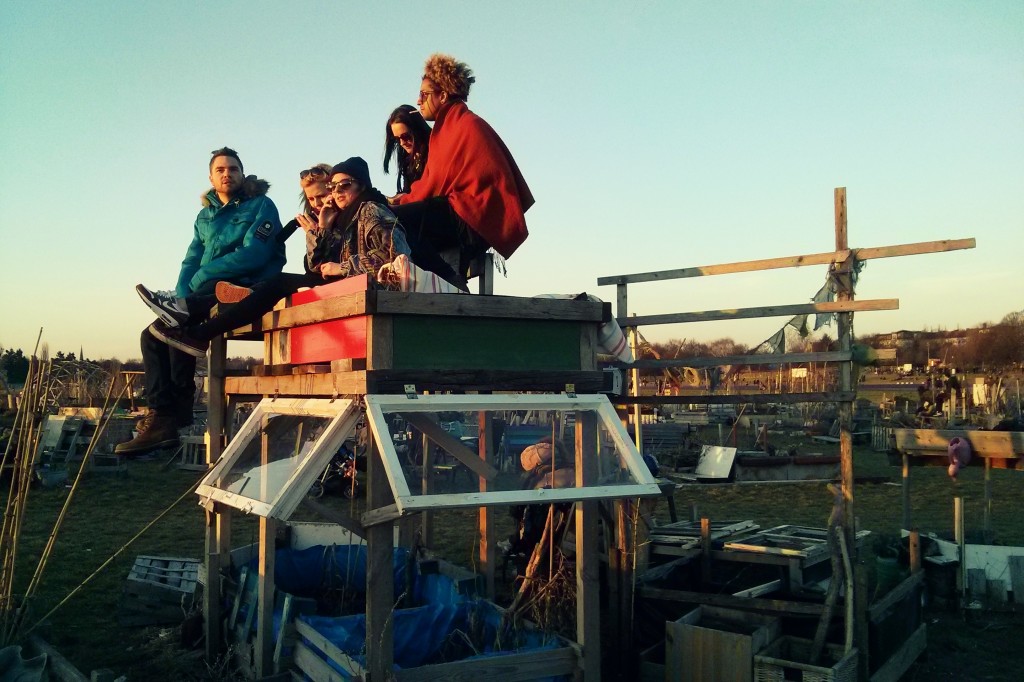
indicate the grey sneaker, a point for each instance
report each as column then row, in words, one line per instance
column 176, row 338
column 167, row 306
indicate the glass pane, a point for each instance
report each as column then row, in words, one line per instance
column 533, row 450
column 287, row 440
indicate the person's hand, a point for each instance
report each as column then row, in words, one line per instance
column 307, row 222
column 328, row 213
column 330, row 269
column 395, row 199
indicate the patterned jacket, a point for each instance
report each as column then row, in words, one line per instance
column 370, row 240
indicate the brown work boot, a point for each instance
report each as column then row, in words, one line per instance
column 157, row 431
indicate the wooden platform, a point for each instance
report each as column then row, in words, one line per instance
column 367, row 341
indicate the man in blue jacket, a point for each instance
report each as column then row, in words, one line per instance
column 235, row 239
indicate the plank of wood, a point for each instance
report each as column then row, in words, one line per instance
column 509, row 668
column 977, row 584
column 880, row 609
column 335, row 516
column 997, row 444
column 394, row 381
column 759, row 590
column 428, row 425
column 753, row 398
column 825, row 258
column 380, row 586
column 588, row 607
column 306, row 385
column 763, row 311
column 760, row 359
column 336, row 308
column 900, row 662
column 518, row 307
column 264, row 648
column 779, row 606
column 348, row 365
column 1016, row 565
column 317, row 668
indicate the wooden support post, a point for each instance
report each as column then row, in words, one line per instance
column 216, row 408
column 915, row 551
column 906, row 490
column 218, row 548
column 842, row 272
column 634, row 378
column 961, row 543
column 218, row 523
column 588, row 614
column 488, row 546
column 264, row 650
column 380, row 579
column 427, row 487
column 705, row 550
column 988, row 500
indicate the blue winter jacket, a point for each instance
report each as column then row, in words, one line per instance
column 237, row 242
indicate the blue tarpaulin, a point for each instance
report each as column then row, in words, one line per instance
column 426, row 635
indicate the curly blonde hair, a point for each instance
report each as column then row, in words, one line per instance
column 453, row 77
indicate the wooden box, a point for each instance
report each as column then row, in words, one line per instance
column 786, row 659
column 369, row 341
column 712, row 643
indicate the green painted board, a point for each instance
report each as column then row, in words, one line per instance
column 485, row 343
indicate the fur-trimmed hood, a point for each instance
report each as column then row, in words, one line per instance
column 251, row 187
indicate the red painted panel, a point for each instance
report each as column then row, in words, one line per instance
column 326, row 341
column 334, row 340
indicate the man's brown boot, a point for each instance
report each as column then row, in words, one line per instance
column 156, row 431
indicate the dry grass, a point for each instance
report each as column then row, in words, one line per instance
column 110, row 509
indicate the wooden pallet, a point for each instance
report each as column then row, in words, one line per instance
column 810, row 544
column 159, row 590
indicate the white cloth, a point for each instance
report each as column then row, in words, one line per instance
column 404, row 275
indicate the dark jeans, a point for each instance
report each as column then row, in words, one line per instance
column 262, row 299
column 170, row 373
column 432, row 226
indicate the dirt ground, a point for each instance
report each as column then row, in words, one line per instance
column 983, row 646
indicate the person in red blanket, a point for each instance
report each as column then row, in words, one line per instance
column 471, row 196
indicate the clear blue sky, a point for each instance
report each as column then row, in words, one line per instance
column 655, row 135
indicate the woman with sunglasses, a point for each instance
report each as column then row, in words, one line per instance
column 355, row 233
column 407, row 137
column 314, row 192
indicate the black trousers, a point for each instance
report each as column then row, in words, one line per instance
column 170, row 373
column 262, row 299
column 432, row 226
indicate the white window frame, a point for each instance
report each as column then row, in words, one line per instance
column 407, row 502
column 343, row 413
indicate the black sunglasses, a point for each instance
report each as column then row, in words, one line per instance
column 314, row 171
column 341, row 186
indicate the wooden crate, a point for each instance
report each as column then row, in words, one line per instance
column 159, row 590
column 382, row 341
column 711, row 643
column 785, row 659
column 193, row 454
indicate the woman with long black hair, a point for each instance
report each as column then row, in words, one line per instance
column 407, row 138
